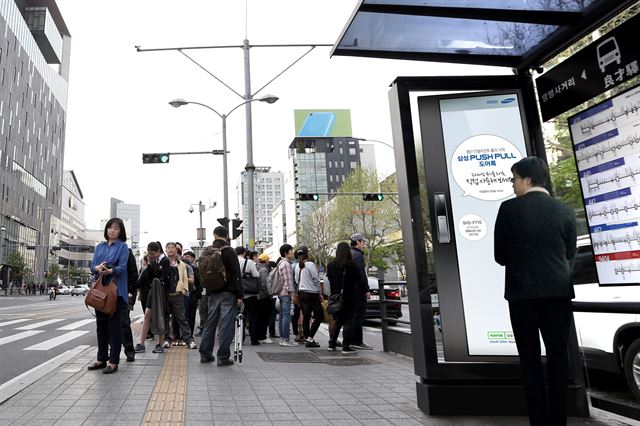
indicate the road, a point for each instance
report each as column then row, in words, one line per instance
column 34, row 329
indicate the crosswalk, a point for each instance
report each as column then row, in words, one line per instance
column 52, row 332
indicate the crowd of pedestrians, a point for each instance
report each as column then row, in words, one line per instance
column 173, row 286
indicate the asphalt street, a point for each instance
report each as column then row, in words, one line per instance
column 34, row 329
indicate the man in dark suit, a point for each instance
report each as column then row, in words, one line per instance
column 535, row 239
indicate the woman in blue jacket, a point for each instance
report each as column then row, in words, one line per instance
column 109, row 261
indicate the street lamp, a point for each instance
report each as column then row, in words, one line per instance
column 177, row 103
column 201, row 231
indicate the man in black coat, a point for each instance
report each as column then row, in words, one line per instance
column 222, row 304
column 361, row 292
column 535, row 239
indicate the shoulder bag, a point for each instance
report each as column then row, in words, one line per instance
column 103, row 298
column 335, row 300
column 250, row 284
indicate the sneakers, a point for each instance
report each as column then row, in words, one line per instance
column 139, row 349
column 286, row 343
column 331, row 348
column 158, row 349
column 192, row 345
column 311, row 344
column 166, row 344
column 131, row 357
column 182, row 343
column 225, row 362
column 339, row 343
column 363, row 346
column 267, row 340
column 206, row 359
column 349, row 351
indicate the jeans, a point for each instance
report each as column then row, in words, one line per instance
column 109, row 334
column 285, row 316
column 359, row 311
column 222, row 308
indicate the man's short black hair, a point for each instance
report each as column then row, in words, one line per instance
column 154, row 246
column 535, row 169
column 221, row 231
column 240, row 251
column 284, row 249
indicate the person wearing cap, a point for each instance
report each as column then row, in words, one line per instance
column 309, row 294
column 264, row 297
column 362, row 293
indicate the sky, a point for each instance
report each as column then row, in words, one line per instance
column 118, row 99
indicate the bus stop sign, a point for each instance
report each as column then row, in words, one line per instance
column 602, row 65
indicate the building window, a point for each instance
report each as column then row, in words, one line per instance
column 352, row 151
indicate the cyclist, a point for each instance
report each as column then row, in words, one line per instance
column 52, row 293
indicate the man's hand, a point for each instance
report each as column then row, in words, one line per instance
column 239, row 302
column 367, row 295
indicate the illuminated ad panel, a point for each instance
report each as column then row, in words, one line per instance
column 483, row 138
column 606, row 141
column 322, row 122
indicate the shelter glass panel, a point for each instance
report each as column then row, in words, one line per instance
column 428, row 34
column 555, row 5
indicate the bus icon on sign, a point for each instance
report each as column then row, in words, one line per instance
column 608, row 52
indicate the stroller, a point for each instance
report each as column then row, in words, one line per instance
column 239, row 337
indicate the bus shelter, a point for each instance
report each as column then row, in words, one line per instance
column 455, row 140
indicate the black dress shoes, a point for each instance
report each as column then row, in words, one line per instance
column 110, row 370
column 96, row 366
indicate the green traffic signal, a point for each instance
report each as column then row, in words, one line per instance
column 373, row 197
column 308, row 197
column 161, row 158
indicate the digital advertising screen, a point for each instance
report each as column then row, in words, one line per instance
column 606, row 144
column 483, row 137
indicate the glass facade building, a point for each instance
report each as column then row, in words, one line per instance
column 34, row 70
column 268, row 191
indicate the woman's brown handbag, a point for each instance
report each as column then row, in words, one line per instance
column 103, row 298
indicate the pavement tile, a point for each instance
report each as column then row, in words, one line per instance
column 345, row 422
column 282, row 416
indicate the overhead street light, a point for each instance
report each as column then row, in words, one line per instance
column 177, row 103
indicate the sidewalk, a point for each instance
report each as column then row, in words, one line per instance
column 273, row 386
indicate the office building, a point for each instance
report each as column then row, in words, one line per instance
column 34, row 70
column 319, row 165
column 268, row 191
column 131, row 212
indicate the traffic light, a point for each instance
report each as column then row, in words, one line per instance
column 224, row 221
column 308, row 197
column 372, row 197
column 236, row 231
column 155, row 158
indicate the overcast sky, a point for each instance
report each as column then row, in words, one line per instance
column 118, row 98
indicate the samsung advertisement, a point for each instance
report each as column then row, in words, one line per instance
column 606, row 139
column 483, row 137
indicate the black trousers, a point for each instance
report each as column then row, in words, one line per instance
column 253, row 320
column 125, row 329
column 344, row 320
column 295, row 319
column 109, row 332
column 357, row 320
column 552, row 319
column 311, row 304
column 272, row 320
column 193, row 308
column 264, row 316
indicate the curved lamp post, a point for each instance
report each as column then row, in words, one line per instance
column 177, row 103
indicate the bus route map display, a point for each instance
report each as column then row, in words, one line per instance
column 606, row 144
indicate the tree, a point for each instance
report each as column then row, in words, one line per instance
column 564, row 174
column 318, row 234
column 350, row 214
column 16, row 261
column 53, row 273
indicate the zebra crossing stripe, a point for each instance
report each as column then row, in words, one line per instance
column 19, row 336
column 39, row 324
column 14, row 321
column 77, row 324
column 52, row 343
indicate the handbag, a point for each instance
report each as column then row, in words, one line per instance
column 103, row 298
column 336, row 300
column 250, row 284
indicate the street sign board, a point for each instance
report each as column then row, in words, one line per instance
column 602, row 65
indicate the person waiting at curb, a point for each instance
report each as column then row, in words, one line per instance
column 178, row 288
column 309, row 295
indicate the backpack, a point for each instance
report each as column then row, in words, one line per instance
column 275, row 284
column 213, row 274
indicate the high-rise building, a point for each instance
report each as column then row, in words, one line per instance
column 131, row 212
column 268, row 191
column 319, row 165
column 34, row 72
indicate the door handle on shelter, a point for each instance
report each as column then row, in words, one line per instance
column 442, row 221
